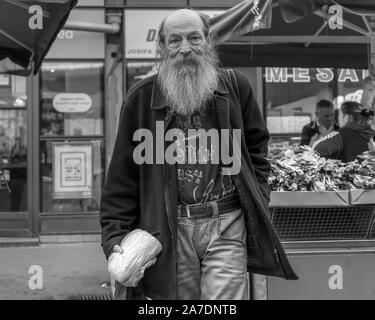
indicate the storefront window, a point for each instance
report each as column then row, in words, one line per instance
column 72, row 99
column 72, row 137
column 291, row 95
column 13, row 144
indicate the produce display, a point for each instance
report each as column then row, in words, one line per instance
column 307, row 171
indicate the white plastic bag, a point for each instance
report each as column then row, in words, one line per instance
column 140, row 251
column 371, row 145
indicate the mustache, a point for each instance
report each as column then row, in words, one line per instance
column 192, row 59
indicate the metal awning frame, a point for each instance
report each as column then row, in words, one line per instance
column 108, row 28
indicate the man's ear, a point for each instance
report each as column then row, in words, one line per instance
column 160, row 49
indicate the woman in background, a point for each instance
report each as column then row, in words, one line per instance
column 350, row 140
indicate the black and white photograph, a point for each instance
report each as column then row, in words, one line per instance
column 206, row 152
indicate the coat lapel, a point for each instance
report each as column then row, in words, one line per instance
column 169, row 173
column 221, row 106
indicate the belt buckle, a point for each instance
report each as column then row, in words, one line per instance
column 215, row 208
column 188, row 211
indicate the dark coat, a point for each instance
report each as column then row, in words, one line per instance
column 346, row 143
column 310, row 130
column 145, row 196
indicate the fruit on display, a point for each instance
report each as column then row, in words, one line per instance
column 307, row 171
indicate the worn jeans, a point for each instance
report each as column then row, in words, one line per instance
column 211, row 257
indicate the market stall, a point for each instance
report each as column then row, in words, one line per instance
column 326, row 216
column 324, row 212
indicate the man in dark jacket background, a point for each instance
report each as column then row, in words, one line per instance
column 323, row 124
column 213, row 226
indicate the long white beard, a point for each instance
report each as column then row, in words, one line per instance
column 188, row 87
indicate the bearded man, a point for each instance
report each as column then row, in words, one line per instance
column 213, row 226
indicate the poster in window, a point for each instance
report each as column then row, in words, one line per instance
column 4, row 80
column 72, row 170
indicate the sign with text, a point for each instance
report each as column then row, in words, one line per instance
column 72, row 170
column 72, row 102
column 72, row 44
column 306, row 75
column 140, row 38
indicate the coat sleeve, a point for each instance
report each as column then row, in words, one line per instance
column 329, row 146
column 256, row 133
column 305, row 136
column 119, row 207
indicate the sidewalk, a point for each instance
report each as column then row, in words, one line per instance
column 68, row 270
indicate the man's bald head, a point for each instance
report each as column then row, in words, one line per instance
column 181, row 20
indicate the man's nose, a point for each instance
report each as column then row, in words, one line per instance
column 185, row 51
column 185, row 48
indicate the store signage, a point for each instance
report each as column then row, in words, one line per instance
column 90, row 3
column 305, row 75
column 66, row 34
column 80, row 44
column 352, row 96
column 140, row 38
column 72, row 102
column 72, row 170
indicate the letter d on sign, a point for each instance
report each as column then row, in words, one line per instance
column 36, row 278
column 335, row 281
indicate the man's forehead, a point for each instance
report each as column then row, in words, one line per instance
column 326, row 110
column 182, row 21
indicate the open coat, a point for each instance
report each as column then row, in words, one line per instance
column 145, row 196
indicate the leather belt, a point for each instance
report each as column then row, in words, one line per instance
column 200, row 210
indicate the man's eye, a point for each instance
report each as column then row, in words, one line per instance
column 174, row 41
column 195, row 39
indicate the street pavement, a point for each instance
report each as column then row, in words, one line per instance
column 68, row 270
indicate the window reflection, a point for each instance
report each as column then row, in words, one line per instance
column 291, row 95
column 13, row 144
column 350, row 86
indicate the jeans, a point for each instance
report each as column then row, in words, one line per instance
column 211, row 257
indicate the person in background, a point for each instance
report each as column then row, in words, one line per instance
column 352, row 139
column 18, row 152
column 5, row 144
column 322, row 125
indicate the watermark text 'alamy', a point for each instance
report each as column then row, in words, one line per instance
column 181, row 152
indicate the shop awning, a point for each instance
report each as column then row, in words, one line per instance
column 301, row 35
column 27, row 31
column 293, row 10
column 353, row 56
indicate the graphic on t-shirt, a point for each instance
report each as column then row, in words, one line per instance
column 200, row 180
